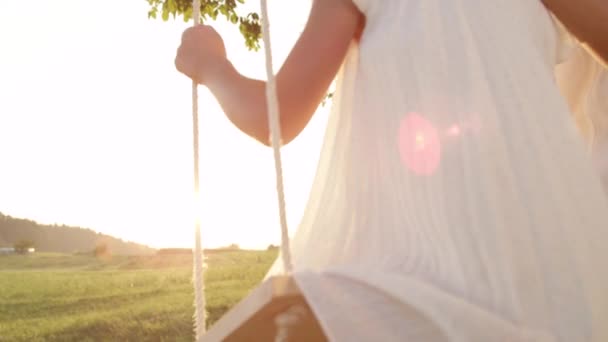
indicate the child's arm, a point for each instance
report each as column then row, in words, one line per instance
column 301, row 82
column 586, row 19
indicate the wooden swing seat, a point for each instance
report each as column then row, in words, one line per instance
column 253, row 319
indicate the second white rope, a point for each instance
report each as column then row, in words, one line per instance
column 199, row 282
column 275, row 136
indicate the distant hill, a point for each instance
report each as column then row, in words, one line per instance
column 63, row 239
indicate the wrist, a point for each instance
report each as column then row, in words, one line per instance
column 218, row 74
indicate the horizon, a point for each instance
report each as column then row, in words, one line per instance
column 58, row 224
column 95, row 128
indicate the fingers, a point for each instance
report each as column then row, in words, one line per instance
column 177, row 60
column 200, row 47
column 184, row 65
column 181, row 63
column 187, row 32
column 194, row 31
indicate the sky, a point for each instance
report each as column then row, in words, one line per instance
column 96, row 127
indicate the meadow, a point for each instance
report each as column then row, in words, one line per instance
column 59, row 297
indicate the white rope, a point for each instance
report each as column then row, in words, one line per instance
column 199, row 283
column 275, row 136
column 285, row 320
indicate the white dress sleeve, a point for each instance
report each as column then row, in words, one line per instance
column 583, row 81
column 364, row 5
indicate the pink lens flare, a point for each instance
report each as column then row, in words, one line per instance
column 454, row 130
column 419, row 144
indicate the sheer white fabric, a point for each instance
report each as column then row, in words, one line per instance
column 584, row 83
column 454, row 198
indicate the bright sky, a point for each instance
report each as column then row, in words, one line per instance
column 95, row 127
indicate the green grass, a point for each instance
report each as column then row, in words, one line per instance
column 55, row 297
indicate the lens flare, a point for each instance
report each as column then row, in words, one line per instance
column 419, row 144
column 454, row 130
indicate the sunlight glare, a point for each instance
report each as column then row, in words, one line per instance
column 419, row 144
column 454, row 130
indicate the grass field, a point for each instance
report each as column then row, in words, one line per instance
column 55, row 297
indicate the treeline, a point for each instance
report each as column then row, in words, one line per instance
column 63, row 239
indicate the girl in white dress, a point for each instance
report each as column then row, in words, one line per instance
column 454, row 198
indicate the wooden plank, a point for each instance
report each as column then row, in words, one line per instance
column 253, row 319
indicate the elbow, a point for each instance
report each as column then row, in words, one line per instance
column 265, row 138
column 293, row 119
column 254, row 123
column 291, row 125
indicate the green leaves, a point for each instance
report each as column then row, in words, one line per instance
column 251, row 30
column 249, row 25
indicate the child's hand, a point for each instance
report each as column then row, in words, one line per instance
column 201, row 49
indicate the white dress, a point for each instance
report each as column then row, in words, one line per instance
column 455, row 199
